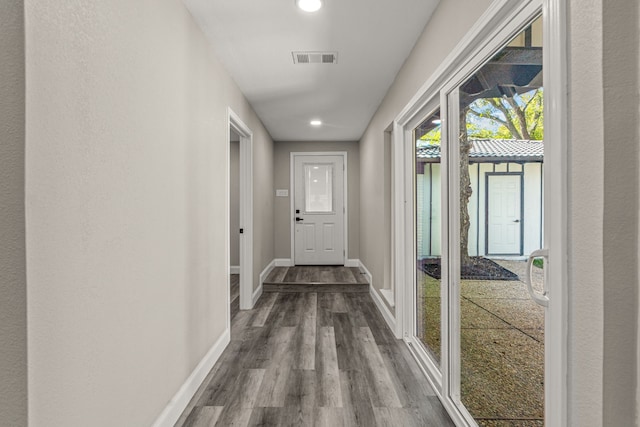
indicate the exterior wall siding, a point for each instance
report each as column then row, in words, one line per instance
column 429, row 219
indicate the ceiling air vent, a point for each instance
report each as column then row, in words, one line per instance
column 315, row 57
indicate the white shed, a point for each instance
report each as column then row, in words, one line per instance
column 506, row 204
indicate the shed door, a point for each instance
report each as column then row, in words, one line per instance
column 504, row 214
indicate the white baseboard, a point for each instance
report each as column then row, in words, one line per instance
column 352, row 263
column 256, row 295
column 234, row 269
column 377, row 299
column 388, row 295
column 179, row 402
column 366, row 272
column 263, row 276
column 384, row 310
column 288, row 262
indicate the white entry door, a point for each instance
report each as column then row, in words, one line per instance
column 504, row 214
column 318, row 209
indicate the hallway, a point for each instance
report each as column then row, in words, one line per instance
column 321, row 357
column 117, row 118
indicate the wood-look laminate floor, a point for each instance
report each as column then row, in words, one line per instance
column 235, row 294
column 310, row 358
column 329, row 274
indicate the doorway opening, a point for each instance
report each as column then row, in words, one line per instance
column 234, row 221
column 504, row 227
column 240, row 233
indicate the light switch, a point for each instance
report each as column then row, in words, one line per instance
column 282, row 193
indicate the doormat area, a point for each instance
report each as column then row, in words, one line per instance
column 479, row 268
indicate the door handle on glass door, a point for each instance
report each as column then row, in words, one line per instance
column 540, row 298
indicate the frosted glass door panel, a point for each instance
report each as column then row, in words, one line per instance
column 318, row 188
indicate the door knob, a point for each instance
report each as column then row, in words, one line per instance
column 516, row 220
column 299, row 219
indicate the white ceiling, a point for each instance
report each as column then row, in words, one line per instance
column 254, row 40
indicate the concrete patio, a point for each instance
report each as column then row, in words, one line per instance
column 502, row 347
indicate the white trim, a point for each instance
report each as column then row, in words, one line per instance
column 246, row 208
column 227, row 221
column 292, row 156
column 352, row 263
column 181, row 399
column 366, row 272
column 556, row 206
column 384, row 310
column 388, row 295
column 234, row 269
column 263, row 276
column 283, row 262
column 457, row 419
column 265, row 272
column 345, row 204
column 380, row 304
column 256, row 295
column 453, row 309
column 388, row 289
column 398, row 184
column 292, row 209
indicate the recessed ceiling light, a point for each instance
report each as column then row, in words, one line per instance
column 315, row 122
column 309, row 5
column 436, row 121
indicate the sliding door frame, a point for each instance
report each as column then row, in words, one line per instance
column 503, row 20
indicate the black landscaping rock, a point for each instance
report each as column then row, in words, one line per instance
column 478, row 268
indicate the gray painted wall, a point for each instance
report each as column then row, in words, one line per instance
column 621, row 142
column 603, row 212
column 13, row 281
column 447, row 26
column 282, row 207
column 126, row 171
column 585, row 230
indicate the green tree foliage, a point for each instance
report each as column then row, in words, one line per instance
column 432, row 137
column 519, row 117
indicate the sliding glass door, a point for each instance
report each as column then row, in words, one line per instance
column 499, row 151
column 477, row 312
column 428, row 236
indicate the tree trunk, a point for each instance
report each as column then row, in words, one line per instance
column 465, row 189
column 522, row 119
